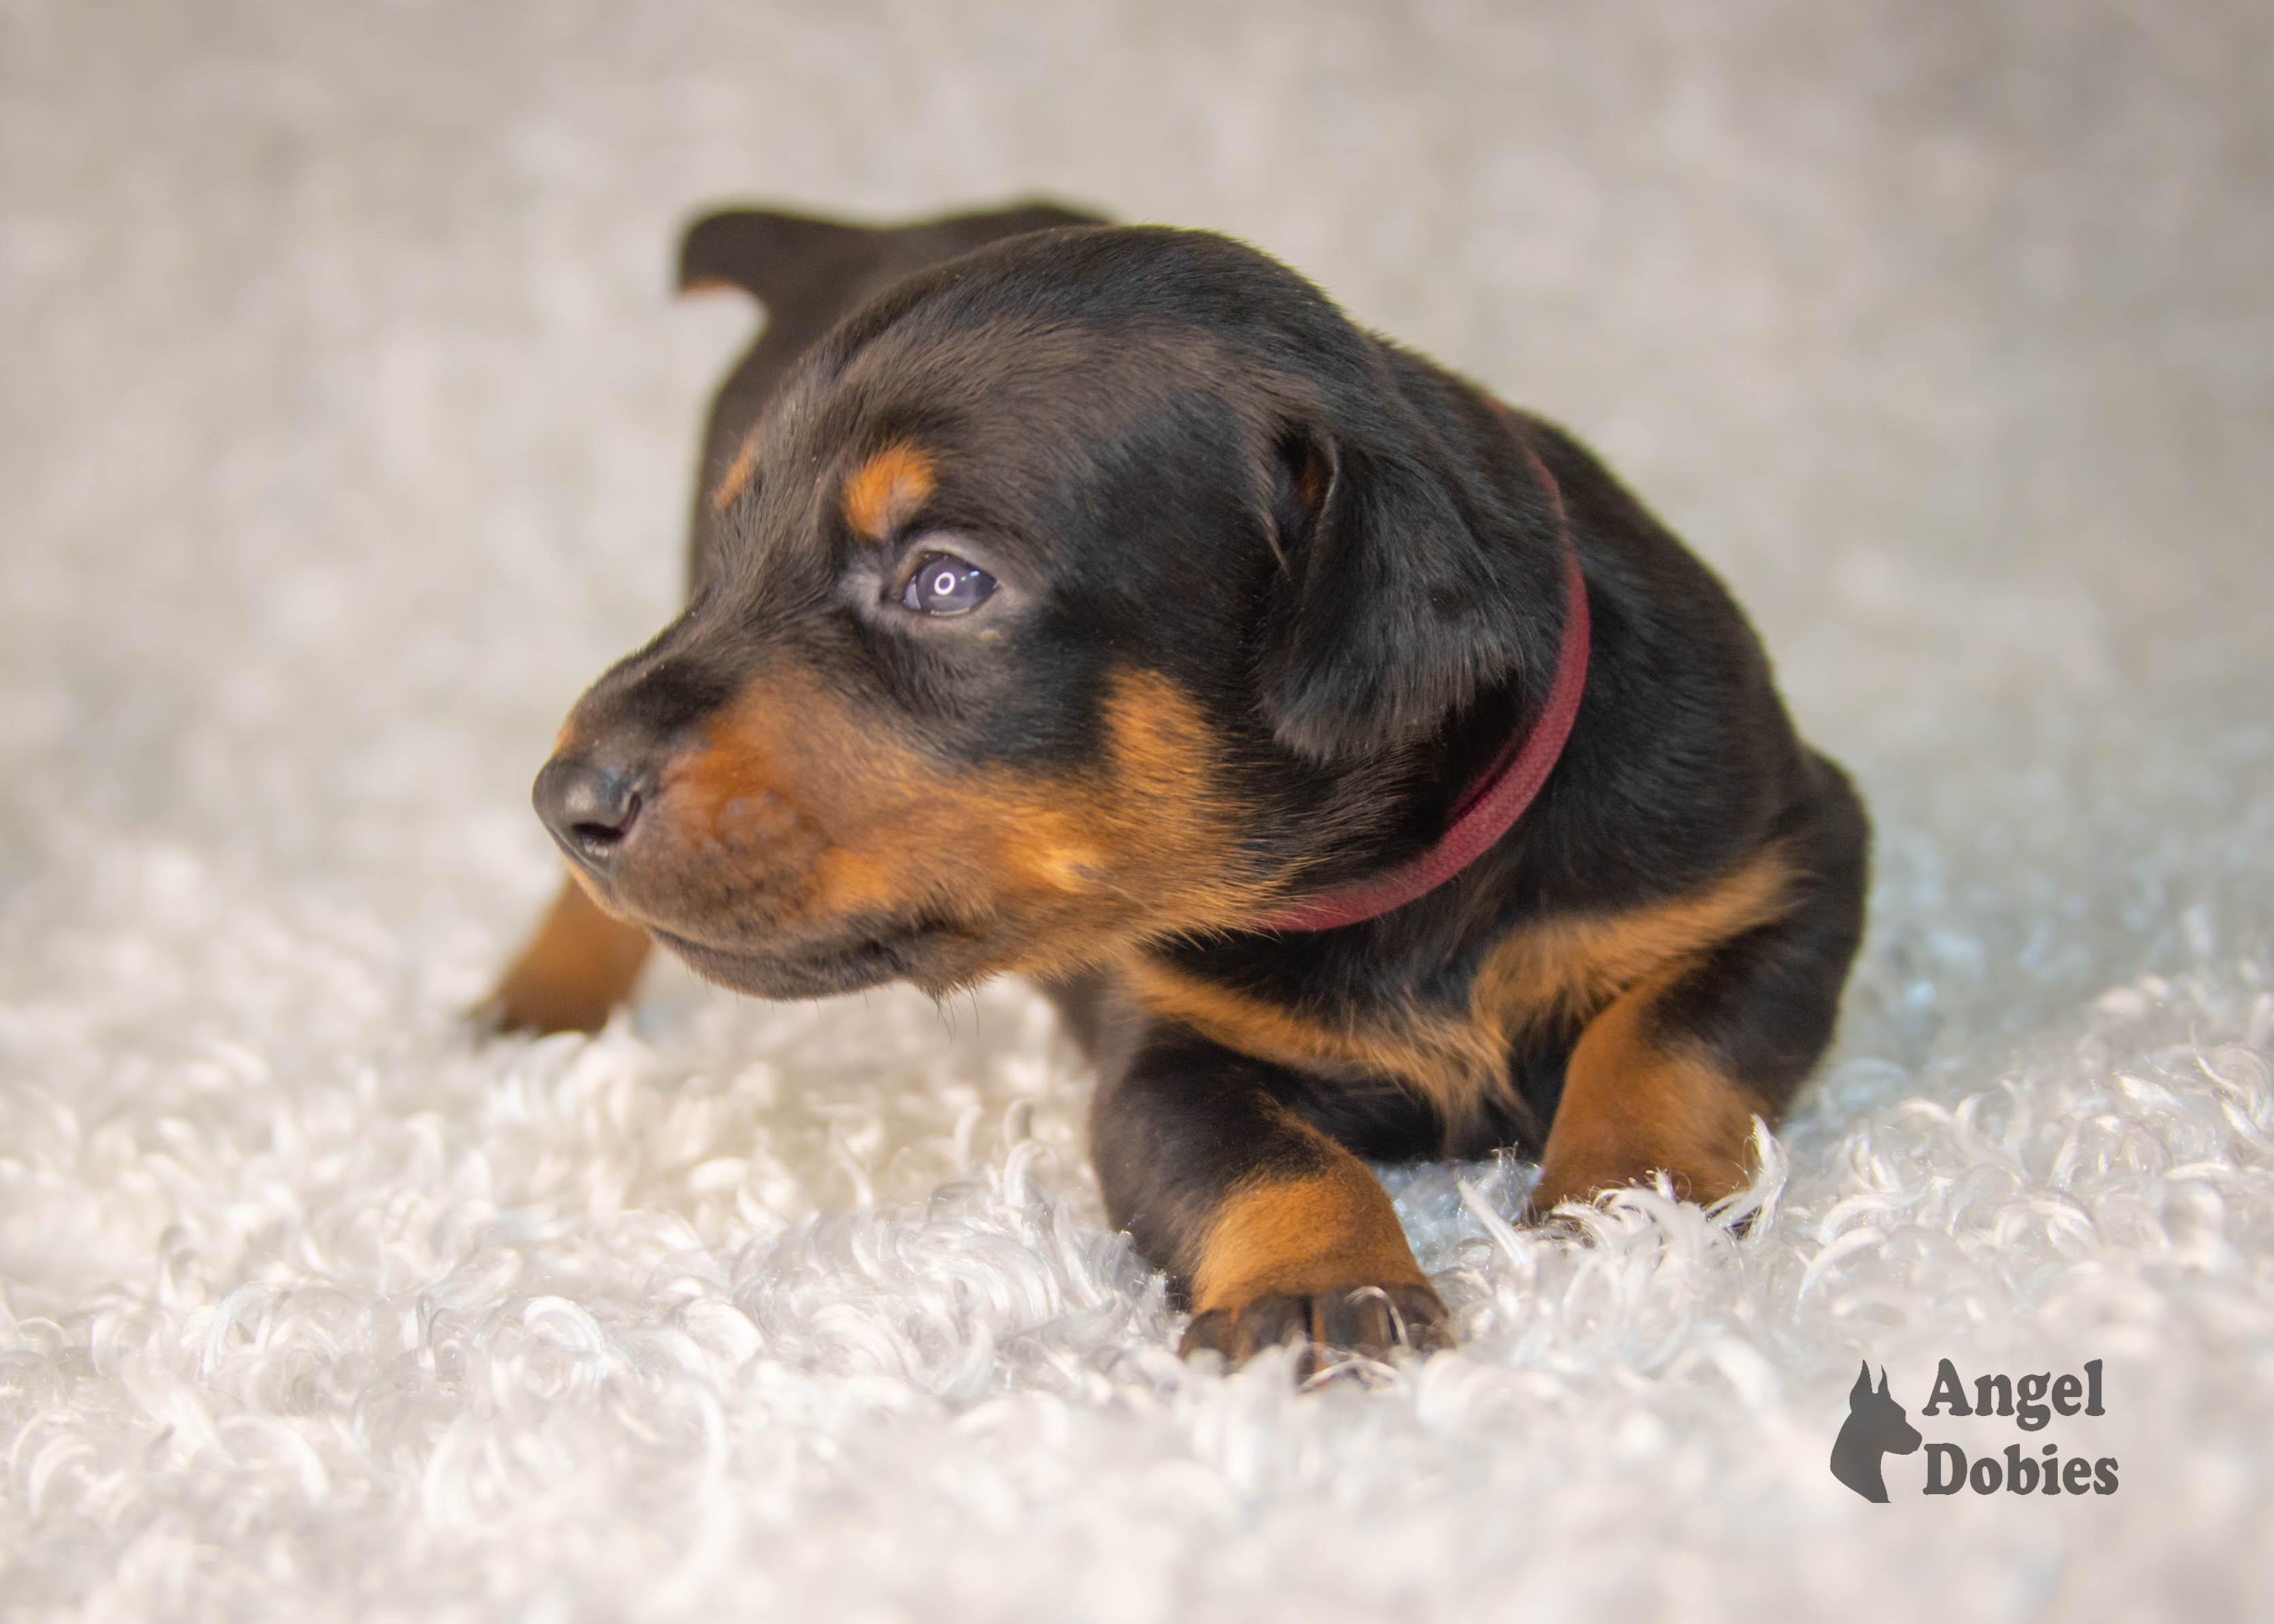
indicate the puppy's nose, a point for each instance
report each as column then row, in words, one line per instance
column 590, row 806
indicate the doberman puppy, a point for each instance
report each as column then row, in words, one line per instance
column 1364, row 771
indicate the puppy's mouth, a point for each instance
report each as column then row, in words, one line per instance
column 937, row 954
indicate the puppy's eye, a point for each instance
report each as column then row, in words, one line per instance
column 946, row 584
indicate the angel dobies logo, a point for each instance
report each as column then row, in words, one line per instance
column 1878, row 1427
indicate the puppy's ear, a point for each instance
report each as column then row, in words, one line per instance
column 1407, row 585
column 776, row 258
column 788, row 263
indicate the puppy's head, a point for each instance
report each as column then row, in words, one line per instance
column 1100, row 586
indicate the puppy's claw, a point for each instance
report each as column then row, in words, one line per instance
column 1369, row 1321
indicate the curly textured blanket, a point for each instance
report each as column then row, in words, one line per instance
column 346, row 435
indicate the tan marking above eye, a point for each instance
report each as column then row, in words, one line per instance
column 881, row 494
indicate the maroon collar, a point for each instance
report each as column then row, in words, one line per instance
column 1494, row 802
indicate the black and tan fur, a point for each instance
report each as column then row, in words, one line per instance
column 1273, row 593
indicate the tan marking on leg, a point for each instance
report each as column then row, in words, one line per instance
column 1633, row 1106
column 881, row 494
column 580, row 965
column 1326, row 1232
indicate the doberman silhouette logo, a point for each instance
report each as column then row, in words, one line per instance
column 1875, row 1426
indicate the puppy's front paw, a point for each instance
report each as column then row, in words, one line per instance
column 1370, row 1321
column 540, row 1006
column 576, row 969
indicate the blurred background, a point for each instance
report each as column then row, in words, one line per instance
column 346, row 428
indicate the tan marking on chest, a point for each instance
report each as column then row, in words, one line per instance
column 1442, row 1056
column 1566, row 969
column 1559, row 972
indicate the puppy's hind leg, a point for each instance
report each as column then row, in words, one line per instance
column 1669, row 1077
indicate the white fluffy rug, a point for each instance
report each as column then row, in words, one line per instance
column 345, row 430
